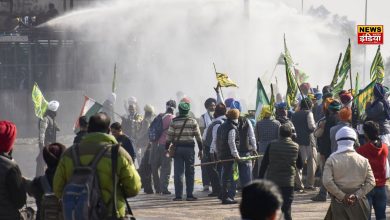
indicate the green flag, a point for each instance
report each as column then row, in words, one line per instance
column 114, row 80
column 336, row 72
column 363, row 97
column 261, row 98
column 292, row 88
column 377, row 71
column 357, row 86
column 40, row 103
column 345, row 67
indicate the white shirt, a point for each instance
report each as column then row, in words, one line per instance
column 213, row 147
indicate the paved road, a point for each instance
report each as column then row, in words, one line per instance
column 154, row 207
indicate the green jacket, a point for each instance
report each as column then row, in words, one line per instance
column 90, row 145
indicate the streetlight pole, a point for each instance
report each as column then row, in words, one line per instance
column 365, row 47
column 302, row 7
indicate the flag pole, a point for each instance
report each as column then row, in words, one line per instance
column 218, row 85
column 350, row 68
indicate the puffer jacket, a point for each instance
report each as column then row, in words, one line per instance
column 90, row 145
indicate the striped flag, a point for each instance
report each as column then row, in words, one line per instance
column 224, row 80
column 40, row 103
column 363, row 97
column 336, row 72
column 357, row 86
column 343, row 72
column 89, row 108
column 261, row 98
column 292, row 86
column 377, row 71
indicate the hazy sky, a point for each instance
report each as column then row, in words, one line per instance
column 377, row 13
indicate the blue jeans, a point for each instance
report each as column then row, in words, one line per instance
column 377, row 198
column 228, row 185
column 183, row 164
column 245, row 170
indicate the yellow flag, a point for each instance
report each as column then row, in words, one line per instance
column 40, row 103
column 224, row 80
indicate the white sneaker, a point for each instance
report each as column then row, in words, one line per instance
column 206, row 188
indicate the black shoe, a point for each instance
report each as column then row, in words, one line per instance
column 149, row 192
column 229, row 201
column 191, row 198
column 318, row 198
column 177, row 199
column 166, row 193
column 213, row 194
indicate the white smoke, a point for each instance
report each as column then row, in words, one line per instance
column 165, row 46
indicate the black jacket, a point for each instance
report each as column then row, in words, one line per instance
column 12, row 192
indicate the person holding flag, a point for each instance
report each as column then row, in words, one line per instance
column 47, row 133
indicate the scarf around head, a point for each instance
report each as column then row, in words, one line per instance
column 345, row 140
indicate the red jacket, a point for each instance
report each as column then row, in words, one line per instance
column 377, row 157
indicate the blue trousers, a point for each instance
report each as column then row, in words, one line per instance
column 228, row 185
column 245, row 170
column 183, row 165
column 377, row 198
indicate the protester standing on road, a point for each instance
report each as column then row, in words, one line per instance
column 12, row 192
column 304, row 124
column 124, row 140
column 348, row 177
column 160, row 162
column 280, row 160
column 98, row 137
column 181, row 133
column 227, row 142
column 376, row 152
column 204, row 121
column 47, row 133
column 83, row 124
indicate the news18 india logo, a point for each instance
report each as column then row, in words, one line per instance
column 370, row 34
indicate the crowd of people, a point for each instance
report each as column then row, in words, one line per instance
column 319, row 135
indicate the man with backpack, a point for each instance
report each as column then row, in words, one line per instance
column 89, row 186
column 159, row 160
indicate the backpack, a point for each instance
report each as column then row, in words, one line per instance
column 209, row 134
column 82, row 197
column 50, row 206
column 156, row 128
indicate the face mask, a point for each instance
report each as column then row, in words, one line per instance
column 236, row 121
